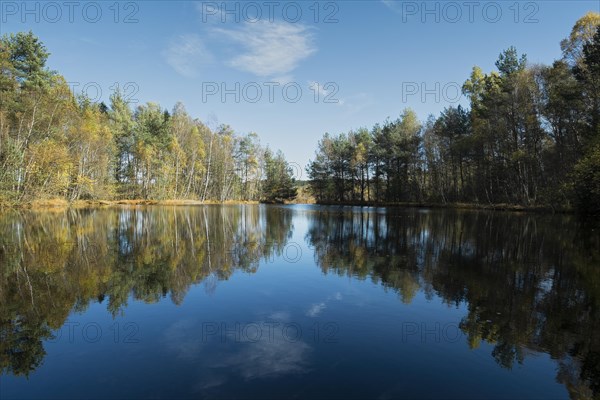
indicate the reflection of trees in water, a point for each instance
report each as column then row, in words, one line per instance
column 55, row 262
column 361, row 245
column 531, row 283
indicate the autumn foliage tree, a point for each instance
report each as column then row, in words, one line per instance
column 56, row 144
column 530, row 137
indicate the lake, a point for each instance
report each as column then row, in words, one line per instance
column 299, row 302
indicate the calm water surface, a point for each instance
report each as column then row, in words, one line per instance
column 298, row 301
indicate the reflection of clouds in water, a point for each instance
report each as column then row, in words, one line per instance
column 316, row 309
column 277, row 352
column 280, row 316
column 210, row 380
column 184, row 338
column 250, row 360
column 266, row 358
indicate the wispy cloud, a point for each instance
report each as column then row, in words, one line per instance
column 187, row 54
column 270, row 49
column 315, row 86
column 391, row 4
column 355, row 103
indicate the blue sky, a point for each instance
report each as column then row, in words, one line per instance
column 377, row 57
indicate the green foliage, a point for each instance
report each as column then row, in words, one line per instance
column 588, row 74
column 587, row 182
column 527, row 140
column 587, row 170
column 54, row 144
column 28, row 57
column 509, row 62
column 279, row 184
column 582, row 32
column 350, row 167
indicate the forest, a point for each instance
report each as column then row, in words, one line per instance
column 58, row 144
column 531, row 137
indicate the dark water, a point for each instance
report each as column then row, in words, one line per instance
column 300, row 302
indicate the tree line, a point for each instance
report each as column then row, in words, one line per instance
column 530, row 137
column 55, row 144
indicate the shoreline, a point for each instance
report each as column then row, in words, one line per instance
column 59, row 204
column 454, row 206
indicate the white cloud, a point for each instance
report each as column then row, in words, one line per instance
column 270, row 49
column 282, row 80
column 187, row 54
column 214, row 13
column 315, row 86
column 391, row 4
column 356, row 103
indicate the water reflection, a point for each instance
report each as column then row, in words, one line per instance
column 529, row 283
column 53, row 263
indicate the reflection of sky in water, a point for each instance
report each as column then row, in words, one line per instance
column 256, row 350
column 371, row 273
column 240, row 357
